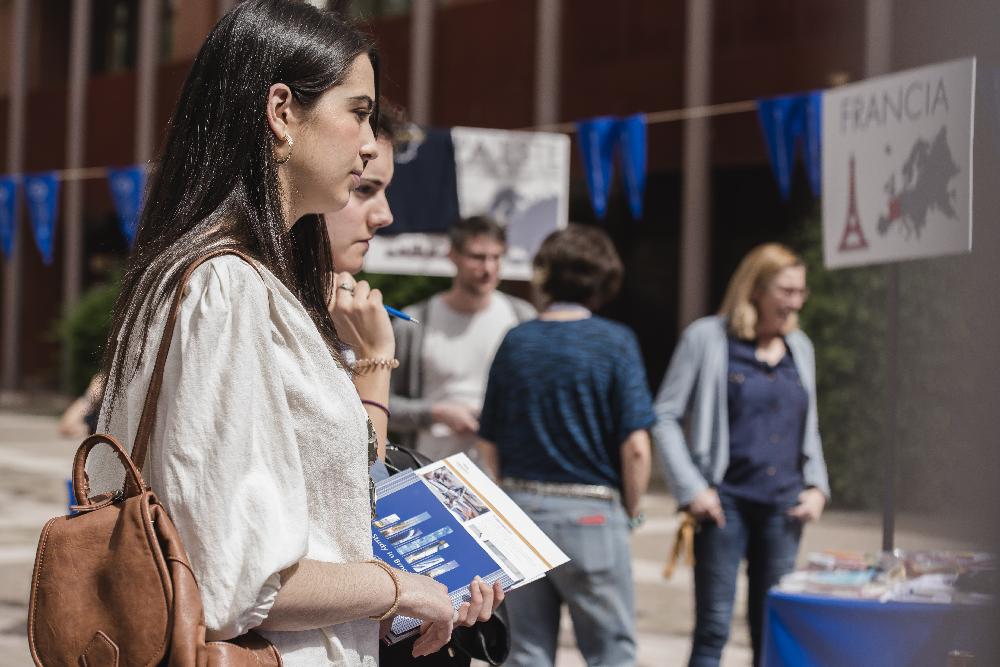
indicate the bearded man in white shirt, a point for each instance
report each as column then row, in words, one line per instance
column 437, row 392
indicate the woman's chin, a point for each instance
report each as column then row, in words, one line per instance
column 337, row 201
column 352, row 264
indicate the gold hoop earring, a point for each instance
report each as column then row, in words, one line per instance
column 288, row 140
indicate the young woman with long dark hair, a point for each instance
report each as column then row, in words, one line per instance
column 261, row 449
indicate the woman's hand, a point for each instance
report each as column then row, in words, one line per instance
column 460, row 418
column 483, row 601
column 423, row 598
column 360, row 318
column 706, row 505
column 810, row 507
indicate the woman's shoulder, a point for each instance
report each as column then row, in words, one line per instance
column 614, row 330
column 798, row 340
column 229, row 279
column 705, row 330
column 231, row 272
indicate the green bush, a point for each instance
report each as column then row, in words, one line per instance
column 400, row 291
column 83, row 332
column 845, row 318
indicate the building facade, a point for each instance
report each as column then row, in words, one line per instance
column 488, row 63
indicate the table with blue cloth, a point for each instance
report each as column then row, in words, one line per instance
column 805, row 630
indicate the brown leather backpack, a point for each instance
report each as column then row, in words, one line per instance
column 112, row 584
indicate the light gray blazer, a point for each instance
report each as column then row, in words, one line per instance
column 695, row 389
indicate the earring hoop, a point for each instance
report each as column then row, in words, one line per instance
column 288, row 140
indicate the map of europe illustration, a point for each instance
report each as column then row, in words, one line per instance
column 925, row 180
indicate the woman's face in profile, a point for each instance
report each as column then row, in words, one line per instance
column 783, row 297
column 352, row 227
column 334, row 141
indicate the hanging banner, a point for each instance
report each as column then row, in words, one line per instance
column 632, row 139
column 781, row 124
column 598, row 137
column 8, row 213
column 897, row 166
column 519, row 178
column 788, row 122
column 42, row 192
column 812, row 139
column 424, row 195
column 127, row 186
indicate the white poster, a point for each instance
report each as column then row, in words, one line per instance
column 519, row 178
column 897, row 166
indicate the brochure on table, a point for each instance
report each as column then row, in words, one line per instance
column 449, row 521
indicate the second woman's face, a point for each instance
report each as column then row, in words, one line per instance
column 352, row 227
column 334, row 142
column 781, row 300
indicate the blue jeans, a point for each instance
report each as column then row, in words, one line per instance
column 596, row 584
column 769, row 540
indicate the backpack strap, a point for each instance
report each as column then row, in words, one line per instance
column 148, row 419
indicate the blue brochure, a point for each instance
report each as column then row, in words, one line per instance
column 416, row 531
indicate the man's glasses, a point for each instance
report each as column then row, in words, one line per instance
column 481, row 257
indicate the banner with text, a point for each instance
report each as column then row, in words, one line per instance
column 897, row 166
column 519, row 178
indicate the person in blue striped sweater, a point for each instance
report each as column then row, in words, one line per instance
column 565, row 426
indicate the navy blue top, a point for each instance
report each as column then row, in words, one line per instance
column 561, row 399
column 767, row 415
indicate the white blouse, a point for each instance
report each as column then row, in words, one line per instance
column 259, row 454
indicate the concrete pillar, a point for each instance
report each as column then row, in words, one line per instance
column 421, row 60
column 145, row 88
column 696, row 208
column 76, row 112
column 17, row 103
column 548, row 58
column 878, row 37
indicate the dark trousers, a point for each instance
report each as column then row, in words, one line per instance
column 769, row 540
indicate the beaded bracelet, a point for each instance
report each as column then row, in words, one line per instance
column 361, row 366
column 395, row 581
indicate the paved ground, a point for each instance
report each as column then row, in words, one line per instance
column 35, row 462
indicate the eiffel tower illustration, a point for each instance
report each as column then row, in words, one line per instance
column 854, row 237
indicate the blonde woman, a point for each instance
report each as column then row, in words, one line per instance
column 750, row 468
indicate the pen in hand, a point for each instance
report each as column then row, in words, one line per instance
column 400, row 314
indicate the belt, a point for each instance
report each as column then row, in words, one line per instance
column 594, row 491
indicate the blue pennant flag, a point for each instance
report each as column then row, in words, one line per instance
column 813, row 139
column 8, row 211
column 42, row 191
column 633, row 146
column 127, row 185
column 786, row 120
column 598, row 137
column 781, row 125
